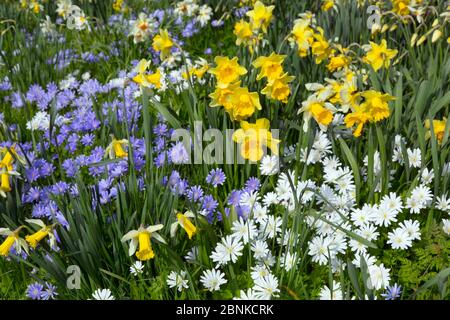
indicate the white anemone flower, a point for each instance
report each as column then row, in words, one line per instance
column 103, row 294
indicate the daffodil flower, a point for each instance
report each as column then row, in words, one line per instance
column 227, row 71
column 278, row 88
column 260, row 16
column 243, row 32
column 375, row 108
column 438, row 128
column 242, row 104
column 315, row 108
column 5, row 185
column 115, row 148
column 378, row 55
column 184, row 222
column 12, row 239
column 145, row 79
column 222, row 95
column 141, row 238
column 303, row 36
column 320, row 47
column 162, row 43
column 45, row 230
column 8, row 157
column 253, row 137
column 271, row 66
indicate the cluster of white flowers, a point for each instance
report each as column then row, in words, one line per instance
column 40, row 121
column 414, row 155
column 190, row 8
column 74, row 16
column 420, row 198
column 320, row 148
column 231, row 248
column 340, row 226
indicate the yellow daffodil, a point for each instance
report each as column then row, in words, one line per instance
column 253, row 137
column 6, row 245
column 141, row 238
column 349, row 96
column 242, row 104
column 162, row 43
column 358, row 118
column 379, row 55
column 401, row 7
column 5, row 185
column 12, row 239
column 221, row 96
column 144, row 79
column 198, row 71
column 43, row 232
column 438, row 128
column 202, row 66
column 321, row 111
column 436, row 35
column 34, row 239
column 117, row 5
column 376, row 104
column 336, row 86
column 375, row 108
column 183, row 220
column 7, row 160
column 270, row 66
column 320, row 47
column 243, row 32
column 8, row 157
column 278, row 88
column 303, row 36
column 115, row 148
column 327, row 5
column 227, row 70
column 338, row 62
column 260, row 16
column 35, row 6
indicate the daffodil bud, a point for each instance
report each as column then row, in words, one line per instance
column 436, row 35
column 413, row 39
column 375, row 28
column 421, row 40
column 385, row 28
column 435, row 23
column 393, row 27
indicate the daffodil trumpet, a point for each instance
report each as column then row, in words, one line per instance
column 43, row 232
column 141, row 239
column 183, row 221
column 116, row 148
column 5, row 185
